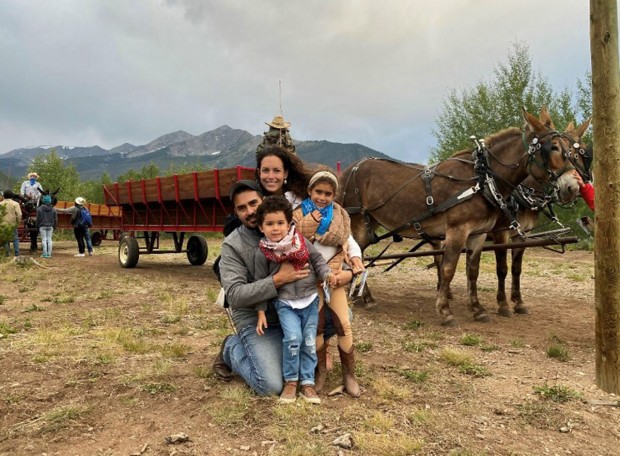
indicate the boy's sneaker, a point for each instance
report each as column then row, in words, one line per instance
column 79, row 255
column 308, row 394
column 289, row 393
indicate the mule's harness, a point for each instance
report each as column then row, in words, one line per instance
column 485, row 180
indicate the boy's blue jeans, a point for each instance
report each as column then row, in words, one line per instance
column 299, row 326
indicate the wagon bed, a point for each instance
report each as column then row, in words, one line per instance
column 196, row 202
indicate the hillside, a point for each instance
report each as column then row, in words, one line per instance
column 223, row 147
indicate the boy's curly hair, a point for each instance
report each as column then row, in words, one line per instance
column 271, row 205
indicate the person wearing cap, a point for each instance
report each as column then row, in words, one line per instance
column 278, row 135
column 31, row 189
column 80, row 232
column 47, row 221
column 12, row 217
column 257, row 359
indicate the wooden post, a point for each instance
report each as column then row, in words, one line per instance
column 606, row 131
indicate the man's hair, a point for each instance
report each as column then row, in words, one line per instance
column 271, row 205
column 9, row 194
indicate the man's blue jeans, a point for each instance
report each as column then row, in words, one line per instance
column 89, row 243
column 15, row 244
column 299, row 344
column 257, row 359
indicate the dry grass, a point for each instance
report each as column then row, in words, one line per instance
column 107, row 360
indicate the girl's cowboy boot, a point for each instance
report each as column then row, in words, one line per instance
column 348, row 372
column 320, row 374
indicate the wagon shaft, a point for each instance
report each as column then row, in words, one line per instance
column 486, row 248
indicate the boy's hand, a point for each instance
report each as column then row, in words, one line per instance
column 261, row 324
column 332, row 280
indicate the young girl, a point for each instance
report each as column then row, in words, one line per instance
column 297, row 302
column 328, row 227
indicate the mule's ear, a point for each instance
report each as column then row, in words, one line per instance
column 582, row 128
column 546, row 118
column 570, row 128
column 533, row 122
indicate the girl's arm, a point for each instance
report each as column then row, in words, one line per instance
column 306, row 224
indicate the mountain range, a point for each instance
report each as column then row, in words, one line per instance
column 223, row 147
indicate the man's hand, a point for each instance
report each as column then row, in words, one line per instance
column 287, row 274
column 357, row 265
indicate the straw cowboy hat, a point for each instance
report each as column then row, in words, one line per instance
column 33, row 175
column 279, row 123
column 80, row 201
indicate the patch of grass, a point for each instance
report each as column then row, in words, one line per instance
column 34, row 308
column 62, row 417
column 379, row 423
column 415, row 376
column 413, row 325
column 392, row 444
column 363, row 347
column 417, row 347
column 541, row 414
column 203, row 372
column 455, row 358
column 175, row 350
column 517, row 343
column 559, row 352
column 6, row 329
column 471, row 340
column 126, row 339
column 489, row 347
column 390, row 390
column 475, row 370
column 419, row 417
column 13, row 399
column 157, row 388
column 557, row 393
column 67, row 299
column 233, row 406
column 2, row 299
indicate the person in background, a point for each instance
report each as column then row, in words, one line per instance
column 278, row 135
column 586, row 190
column 31, row 189
column 79, row 229
column 47, row 221
column 12, row 217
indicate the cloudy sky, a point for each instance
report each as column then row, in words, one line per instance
column 85, row 72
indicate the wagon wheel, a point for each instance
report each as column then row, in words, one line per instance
column 197, row 250
column 96, row 238
column 128, row 252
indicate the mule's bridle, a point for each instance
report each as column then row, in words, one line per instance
column 541, row 146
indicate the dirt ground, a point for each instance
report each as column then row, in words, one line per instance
column 100, row 360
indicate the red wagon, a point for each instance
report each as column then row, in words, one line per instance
column 188, row 203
